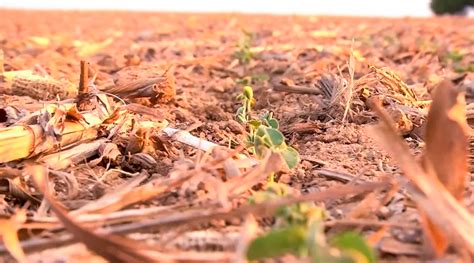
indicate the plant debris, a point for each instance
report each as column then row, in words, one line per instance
column 145, row 137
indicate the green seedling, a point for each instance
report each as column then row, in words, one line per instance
column 254, row 79
column 244, row 54
column 461, row 69
column 299, row 230
column 297, row 214
column 454, row 56
column 470, row 67
column 263, row 133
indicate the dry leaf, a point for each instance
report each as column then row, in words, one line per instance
column 445, row 211
column 74, row 115
column 446, row 151
column 366, row 207
column 446, row 138
column 8, row 232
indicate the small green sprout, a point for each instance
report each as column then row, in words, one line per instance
column 263, row 132
column 454, row 56
column 254, row 79
column 244, row 54
column 461, row 69
column 299, row 230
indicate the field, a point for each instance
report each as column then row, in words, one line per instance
column 92, row 159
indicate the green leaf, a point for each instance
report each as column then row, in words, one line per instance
column 278, row 242
column 248, row 92
column 291, row 157
column 260, row 147
column 275, row 136
column 278, row 189
column 318, row 249
column 244, row 81
column 260, row 77
column 240, row 110
column 470, row 67
column 317, row 246
column 273, row 123
column 241, row 119
column 459, row 69
column 455, row 56
column 261, row 131
column 255, row 123
column 354, row 245
column 250, row 140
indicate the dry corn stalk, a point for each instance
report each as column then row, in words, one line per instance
column 56, row 126
column 22, row 113
column 64, row 159
column 25, row 83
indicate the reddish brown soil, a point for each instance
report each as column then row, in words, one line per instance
column 301, row 49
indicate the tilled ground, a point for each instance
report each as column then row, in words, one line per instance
column 288, row 52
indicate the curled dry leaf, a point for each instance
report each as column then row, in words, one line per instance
column 446, row 150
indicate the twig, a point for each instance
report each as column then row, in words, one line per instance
column 373, row 223
column 335, row 175
column 312, row 159
column 199, row 216
column 84, row 78
column 297, row 89
column 97, row 220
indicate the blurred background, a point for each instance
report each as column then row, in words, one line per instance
column 386, row 8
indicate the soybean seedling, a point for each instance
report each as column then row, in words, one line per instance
column 263, row 133
column 243, row 54
column 252, row 79
column 299, row 230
